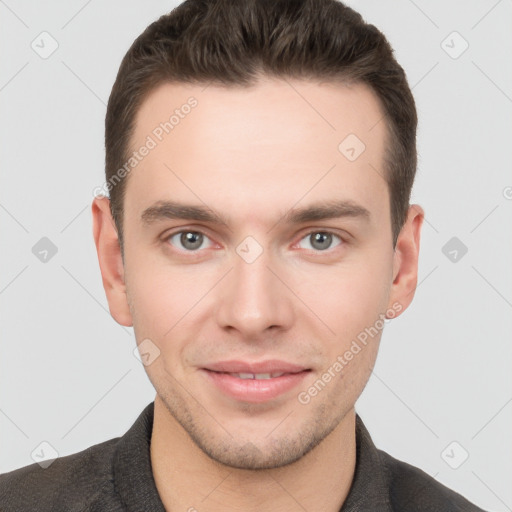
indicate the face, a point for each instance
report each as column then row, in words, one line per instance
column 258, row 241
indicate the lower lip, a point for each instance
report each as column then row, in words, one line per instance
column 255, row 390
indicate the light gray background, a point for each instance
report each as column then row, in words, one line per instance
column 68, row 375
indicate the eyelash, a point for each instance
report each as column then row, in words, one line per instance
column 343, row 241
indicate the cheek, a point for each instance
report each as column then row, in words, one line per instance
column 154, row 294
column 351, row 297
column 167, row 301
column 161, row 306
column 160, row 302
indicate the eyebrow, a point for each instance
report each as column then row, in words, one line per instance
column 333, row 209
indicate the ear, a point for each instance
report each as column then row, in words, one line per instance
column 405, row 260
column 110, row 260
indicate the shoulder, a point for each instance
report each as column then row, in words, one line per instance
column 410, row 488
column 70, row 481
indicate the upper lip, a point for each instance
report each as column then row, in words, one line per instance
column 254, row 367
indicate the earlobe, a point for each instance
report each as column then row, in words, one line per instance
column 405, row 259
column 110, row 260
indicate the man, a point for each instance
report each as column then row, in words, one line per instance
column 258, row 235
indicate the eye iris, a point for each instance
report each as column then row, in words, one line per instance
column 324, row 239
column 191, row 240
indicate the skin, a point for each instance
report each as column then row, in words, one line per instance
column 253, row 154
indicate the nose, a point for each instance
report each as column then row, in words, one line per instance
column 253, row 298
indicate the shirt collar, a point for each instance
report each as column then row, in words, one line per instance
column 133, row 475
column 134, row 482
column 369, row 489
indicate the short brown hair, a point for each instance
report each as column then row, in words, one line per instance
column 234, row 42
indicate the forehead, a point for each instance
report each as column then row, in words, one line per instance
column 251, row 148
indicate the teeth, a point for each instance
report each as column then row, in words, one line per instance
column 256, row 375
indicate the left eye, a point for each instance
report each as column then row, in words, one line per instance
column 189, row 240
column 319, row 240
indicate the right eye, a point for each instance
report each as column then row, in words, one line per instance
column 189, row 241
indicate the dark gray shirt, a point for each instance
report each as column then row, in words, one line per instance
column 116, row 476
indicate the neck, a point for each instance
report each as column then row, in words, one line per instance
column 187, row 479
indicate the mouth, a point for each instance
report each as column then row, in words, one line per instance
column 258, row 376
column 254, row 382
